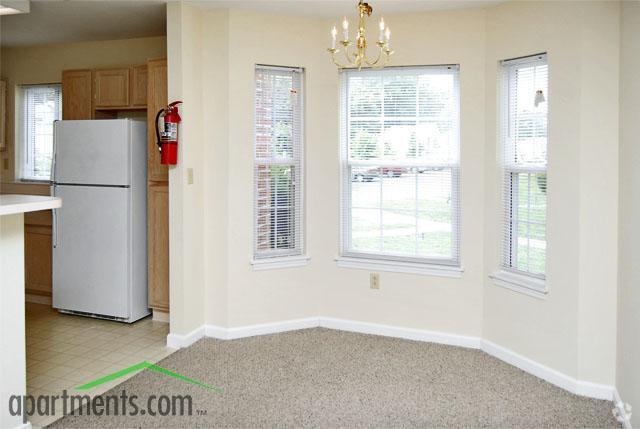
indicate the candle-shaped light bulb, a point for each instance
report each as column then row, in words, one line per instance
column 334, row 33
column 345, row 29
column 387, row 36
column 381, row 34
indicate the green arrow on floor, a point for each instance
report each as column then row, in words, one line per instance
column 144, row 365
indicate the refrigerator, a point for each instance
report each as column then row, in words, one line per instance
column 99, row 235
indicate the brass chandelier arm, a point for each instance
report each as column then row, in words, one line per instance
column 373, row 63
column 357, row 63
column 333, row 58
column 387, row 55
column 347, row 55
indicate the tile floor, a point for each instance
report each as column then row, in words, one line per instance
column 65, row 351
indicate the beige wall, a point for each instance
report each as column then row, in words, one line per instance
column 573, row 329
column 581, row 40
column 450, row 305
column 44, row 64
column 186, row 252
column 628, row 375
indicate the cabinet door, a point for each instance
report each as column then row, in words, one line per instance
column 37, row 252
column 111, row 88
column 156, row 100
column 158, row 242
column 139, row 86
column 76, row 94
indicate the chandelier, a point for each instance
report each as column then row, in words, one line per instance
column 358, row 58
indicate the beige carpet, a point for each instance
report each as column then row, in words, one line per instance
column 326, row 378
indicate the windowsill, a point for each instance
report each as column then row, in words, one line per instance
column 34, row 181
column 399, row 266
column 279, row 262
column 521, row 283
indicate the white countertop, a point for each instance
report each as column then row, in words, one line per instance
column 16, row 203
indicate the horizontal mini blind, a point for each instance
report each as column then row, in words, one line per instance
column 41, row 106
column 524, row 143
column 278, row 162
column 400, row 163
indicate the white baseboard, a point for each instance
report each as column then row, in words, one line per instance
column 579, row 387
column 261, row 329
column 619, row 403
column 399, row 332
column 37, row 299
column 583, row 388
column 176, row 341
column 213, row 331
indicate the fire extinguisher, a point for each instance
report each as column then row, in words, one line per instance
column 167, row 139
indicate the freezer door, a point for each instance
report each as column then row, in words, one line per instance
column 92, row 152
column 91, row 248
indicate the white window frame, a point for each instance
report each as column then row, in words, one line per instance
column 442, row 267
column 22, row 146
column 507, row 275
column 294, row 257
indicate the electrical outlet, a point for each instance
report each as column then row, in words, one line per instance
column 189, row 176
column 374, row 281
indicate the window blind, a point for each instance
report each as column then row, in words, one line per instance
column 524, row 166
column 278, row 162
column 41, row 106
column 400, row 137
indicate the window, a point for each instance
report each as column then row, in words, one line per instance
column 524, row 145
column 38, row 107
column 400, row 164
column 278, row 162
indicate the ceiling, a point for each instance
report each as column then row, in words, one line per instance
column 59, row 21
column 333, row 8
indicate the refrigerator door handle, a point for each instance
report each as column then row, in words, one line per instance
column 54, row 232
column 55, row 228
column 55, row 151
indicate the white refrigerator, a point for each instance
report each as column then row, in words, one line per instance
column 100, row 232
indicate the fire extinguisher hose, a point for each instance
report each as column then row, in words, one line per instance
column 157, row 131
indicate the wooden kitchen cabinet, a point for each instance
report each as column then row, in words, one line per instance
column 111, row 88
column 156, row 100
column 76, row 94
column 158, row 242
column 157, row 193
column 139, row 86
column 37, row 252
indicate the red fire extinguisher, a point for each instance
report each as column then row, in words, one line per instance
column 167, row 139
